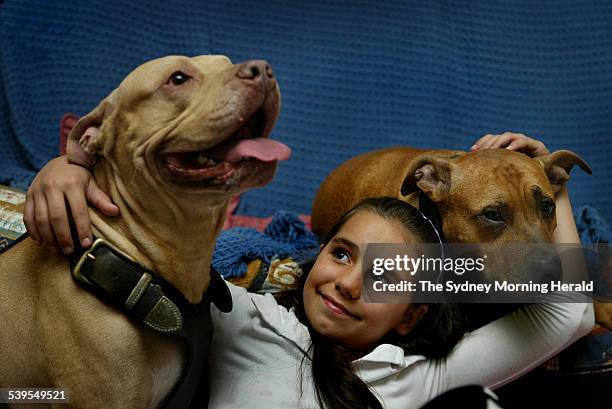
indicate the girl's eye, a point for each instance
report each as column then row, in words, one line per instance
column 341, row 255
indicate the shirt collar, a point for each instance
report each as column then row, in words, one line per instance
column 383, row 361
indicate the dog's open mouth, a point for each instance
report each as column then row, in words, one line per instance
column 219, row 164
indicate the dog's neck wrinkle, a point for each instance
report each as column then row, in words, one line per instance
column 172, row 255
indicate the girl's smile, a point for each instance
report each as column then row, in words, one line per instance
column 336, row 307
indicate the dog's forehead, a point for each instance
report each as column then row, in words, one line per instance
column 498, row 170
column 515, row 163
column 212, row 62
column 205, row 63
column 147, row 76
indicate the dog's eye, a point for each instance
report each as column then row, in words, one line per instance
column 493, row 215
column 178, row 78
column 547, row 207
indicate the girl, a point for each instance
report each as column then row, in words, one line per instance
column 322, row 346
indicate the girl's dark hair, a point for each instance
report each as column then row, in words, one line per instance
column 435, row 335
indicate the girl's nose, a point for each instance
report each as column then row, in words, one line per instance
column 349, row 284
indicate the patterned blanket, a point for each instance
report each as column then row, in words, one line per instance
column 11, row 215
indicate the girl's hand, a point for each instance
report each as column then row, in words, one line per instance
column 57, row 185
column 512, row 141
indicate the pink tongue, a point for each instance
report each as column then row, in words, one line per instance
column 263, row 149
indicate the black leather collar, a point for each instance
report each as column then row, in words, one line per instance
column 137, row 290
column 146, row 297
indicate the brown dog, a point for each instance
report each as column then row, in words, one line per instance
column 473, row 191
column 490, row 196
column 174, row 142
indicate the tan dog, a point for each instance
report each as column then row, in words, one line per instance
column 174, row 142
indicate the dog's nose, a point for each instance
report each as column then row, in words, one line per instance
column 256, row 70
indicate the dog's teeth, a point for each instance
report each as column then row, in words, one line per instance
column 203, row 160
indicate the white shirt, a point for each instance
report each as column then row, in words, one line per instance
column 256, row 354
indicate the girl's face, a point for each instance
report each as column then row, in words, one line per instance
column 332, row 292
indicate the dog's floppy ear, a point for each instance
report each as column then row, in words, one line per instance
column 558, row 164
column 84, row 141
column 430, row 175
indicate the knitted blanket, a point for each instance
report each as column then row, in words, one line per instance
column 285, row 236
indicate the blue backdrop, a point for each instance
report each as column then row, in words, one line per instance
column 355, row 76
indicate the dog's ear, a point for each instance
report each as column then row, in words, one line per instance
column 84, row 141
column 430, row 175
column 558, row 165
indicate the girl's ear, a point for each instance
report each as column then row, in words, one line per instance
column 411, row 318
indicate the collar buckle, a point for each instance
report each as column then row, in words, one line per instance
column 88, row 254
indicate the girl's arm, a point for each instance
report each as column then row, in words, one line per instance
column 61, row 189
column 566, row 231
column 512, row 345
